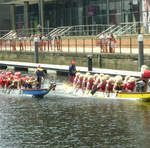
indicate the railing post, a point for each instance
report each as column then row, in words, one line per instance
column 36, row 50
column 76, row 45
column 5, row 44
column 100, row 60
column 68, row 45
column 1, row 44
column 92, row 44
column 130, row 45
column 10, row 44
column 48, row 44
column 30, row 45
column 89, row 62
column 140, row 55
column 83, row 45
column 120, row 44
column 61, row 44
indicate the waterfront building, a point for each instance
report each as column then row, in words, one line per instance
column 56, row 13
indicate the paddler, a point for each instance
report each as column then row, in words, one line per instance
column 110, row 85
column 131, row 84
column 89, row 84
column 72, row 71
column 52, row 83
column 145, row 75
column 118, row 86
column 40, row 75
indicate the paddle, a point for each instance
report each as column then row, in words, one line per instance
column 94, row 90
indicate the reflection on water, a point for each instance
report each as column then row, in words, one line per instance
column 70, row 122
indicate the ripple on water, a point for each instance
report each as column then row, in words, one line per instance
column 65, row 122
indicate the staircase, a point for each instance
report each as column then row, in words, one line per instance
column 60, row 30
column 121, row 29
column 10, row 35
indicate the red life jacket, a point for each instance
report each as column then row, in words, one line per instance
column 131, row 86
column 103, row 86
column 90, row 84
column 84, row 83
column 110, row 86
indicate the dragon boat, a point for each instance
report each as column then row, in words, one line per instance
column 38, row 93
column 145, row 96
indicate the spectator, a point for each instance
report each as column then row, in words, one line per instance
column 20, row 43
column 57, row 41
column 50, row 42
column 103, row 46
column 39, row 28
column 113, row 42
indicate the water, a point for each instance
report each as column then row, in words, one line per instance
column 64, row 121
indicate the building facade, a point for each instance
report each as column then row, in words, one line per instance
column 55, row 13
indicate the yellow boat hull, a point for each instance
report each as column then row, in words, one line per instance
column 121, row 95
column 138, row 95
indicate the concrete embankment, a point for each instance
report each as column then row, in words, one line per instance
column 108, row 61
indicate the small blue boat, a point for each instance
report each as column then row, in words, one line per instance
column 38, row 92
column 35, row 92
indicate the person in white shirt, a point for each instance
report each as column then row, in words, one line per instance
column 103, row 46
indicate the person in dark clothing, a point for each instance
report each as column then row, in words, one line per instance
column 40, row 76
column 72, row 71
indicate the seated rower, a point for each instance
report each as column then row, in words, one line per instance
column 103, row 83
column 145, row 74
column 118, row 86
column 131, row 85
column 52, row 84
column 96, row 82
column 84, row 83
column 76, row 79
column 89, row 84
column 125, row 82
column 95, row 77
column 110, row 85
column 79, row 83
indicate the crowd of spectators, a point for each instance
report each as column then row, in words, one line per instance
column 107, row 42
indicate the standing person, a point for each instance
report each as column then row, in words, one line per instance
column 50, row 42
column 113, row 42
column 102, row 42
column 39, row 28
column 21, row 43
column 57, row 41
column 109, row 37
column 40, row 76
column 72, row 71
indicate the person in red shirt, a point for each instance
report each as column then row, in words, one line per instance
column 84, row 83
column 110, row 85
column 131, row 85
column 89, row 84
column 125, row 83
column 145, row 72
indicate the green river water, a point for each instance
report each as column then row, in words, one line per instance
column 64, row 121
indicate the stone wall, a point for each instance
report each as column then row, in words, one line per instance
column 108, row 61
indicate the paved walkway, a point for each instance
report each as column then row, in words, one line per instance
column 64, row 68
column 71, row 48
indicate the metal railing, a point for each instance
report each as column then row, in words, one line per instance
column 94, row 46
column 81, row 30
